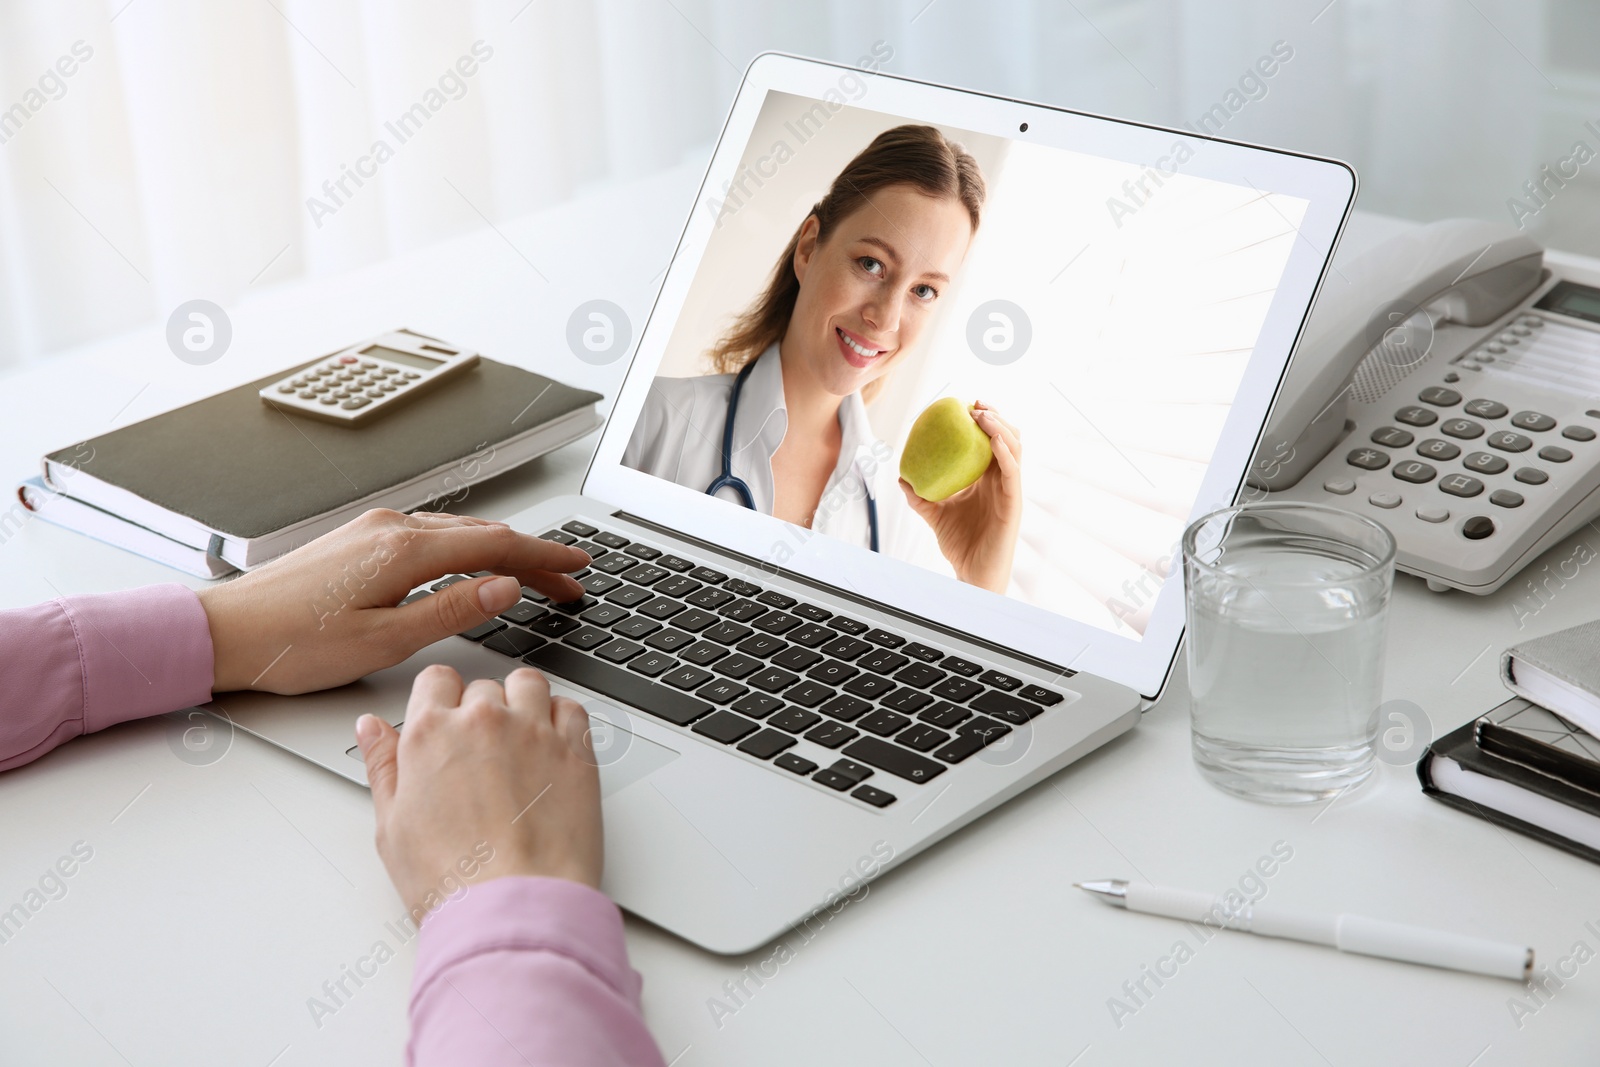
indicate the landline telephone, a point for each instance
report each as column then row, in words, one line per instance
column 1447, row 386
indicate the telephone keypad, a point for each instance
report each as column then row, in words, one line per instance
column 1578, row 433
column 1391, row 437
column 1368, row 459
column 1412, row 415
column 1531, row 476
column 1484, row 463
column 1506, row 498
column 1506, row 441
column 1477, row 528
column 1439, row 396
column 1384, row 500
column 1434, row 448
column 1414, row 472
column 1465, row 429
column 1461, row 485
column 1532, row 420
column 1433, row 514
column 1554, row 453
column 1486, row 409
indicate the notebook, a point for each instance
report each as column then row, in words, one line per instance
column 1561, row 671
column 244, row 482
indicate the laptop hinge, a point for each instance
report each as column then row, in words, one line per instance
column 845, row 594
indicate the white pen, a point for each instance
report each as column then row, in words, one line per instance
column 1347, row 933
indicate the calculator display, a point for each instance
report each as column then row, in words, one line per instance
column 408, row 359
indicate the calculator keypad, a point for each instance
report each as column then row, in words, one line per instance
column 343, row 384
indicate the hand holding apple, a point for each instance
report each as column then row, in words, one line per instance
column 962, row 474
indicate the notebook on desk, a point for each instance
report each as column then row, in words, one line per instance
column 242, row 482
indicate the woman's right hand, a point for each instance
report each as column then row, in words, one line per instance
column 510, row 766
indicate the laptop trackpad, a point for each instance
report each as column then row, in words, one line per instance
column 623, row 756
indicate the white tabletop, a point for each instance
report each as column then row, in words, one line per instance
column 219, row 898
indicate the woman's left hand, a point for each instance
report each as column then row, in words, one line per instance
column 977, row 528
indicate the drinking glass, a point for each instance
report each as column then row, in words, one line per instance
column 1287, row 605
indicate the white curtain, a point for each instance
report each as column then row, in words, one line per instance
column 176, row 161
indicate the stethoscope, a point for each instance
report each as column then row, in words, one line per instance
column 727, row 480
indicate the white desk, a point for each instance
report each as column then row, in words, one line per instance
column 220, row 898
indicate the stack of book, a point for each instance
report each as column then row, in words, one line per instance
column 1533, row 763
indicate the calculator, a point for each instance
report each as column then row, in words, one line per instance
column 359, row 384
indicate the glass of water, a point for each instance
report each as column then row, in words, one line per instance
column 1286, row 611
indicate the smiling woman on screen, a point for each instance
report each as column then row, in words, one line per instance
column 783, row 425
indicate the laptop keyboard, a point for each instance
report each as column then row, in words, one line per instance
column 758, row 670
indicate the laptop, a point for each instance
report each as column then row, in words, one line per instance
column 781, row 711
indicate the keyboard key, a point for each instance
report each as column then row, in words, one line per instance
column 812, row 612
column 761, row 645
column 883, row 723
column 900, row 762
column 767, row 743
column 742, row 610
column 559, row 537
column 926, row 653
column 740, row 587
column 831, row 734
column 662, row 607
column 845, row 708
column 1486, row 409
column 795, row 658
column 945, row 715
column 808, row 694
column 872, row 795
column 737, row 665
column 604, row 615
column 652, row 663
column 990, row 730
column 920, row 676
column 595, row 551
column 794, row 720
column 514, row 642
column 922, row 737
column 414, row 597
column 677, row 585
column 774, row 599
column 706, row 574
column 832, row 672
column 882, row 661
column 999, row 681
column 599, row 584
column 674, row 563
column 522, row 611
column 907, row 700
column 773, row 679
column 965, row 668
column 777, row 622
column 687, row 677
column 702, row 653
column 849, row 626
column 669, row 640
column 956, row 689
column 885, row 638
column 724, row 726
column 832, row 779
column 618, row 684
column 1005, row 706
column 694, row 620
column 482, row 630
column 729, row 633
column 797, row 764
column 811, row 635
column 710, row 598
column 644, row 574
column 721, row 691
column 579, row 529
column 618, row 650
column 1039, row 695
column 554, row 625
column 1532, row 420
column 587, row 637
column 636, row 627
column 870, row 686
column 960, row 747
column 609, row 539
column 642, row 551
column 445, row 583
column 1391, row 437
column 844, row 648
column 757, row 705
column 852, row 770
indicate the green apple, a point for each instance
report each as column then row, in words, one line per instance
column 945, row 451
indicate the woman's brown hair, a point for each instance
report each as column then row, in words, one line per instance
column 918, row 156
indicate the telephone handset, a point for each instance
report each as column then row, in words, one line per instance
column 1448, row 386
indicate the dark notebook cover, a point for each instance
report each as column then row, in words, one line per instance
column 247, row 470
column 1523, row 732
column 1460, row 745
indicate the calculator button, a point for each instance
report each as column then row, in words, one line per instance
column 1532, row 420
column 1462, row 428
column 1484, row 463
column 1439, row 396
column 1391, row 437
column 1486, row 409
column 1531, row 476
column 286, row 388
column 1367, row 459
column 1460, row 485
column 1434, row 448
column 348, row 360
column 1412, row 415
column 328, row 399
column 1433, row 514
column 1506, row 441
column 355, row 402
column 1506, row 498
column 374, row 394
column 386, row 389
column 340, row 395
column 1509, row 338
column 1554, row 453
column 1342, row 486
column 1477, row 528
column 411, row 376
column 306, row 394
column 1384, row 500
column 1578, row 433
column 368, row 364
column 1414, row 472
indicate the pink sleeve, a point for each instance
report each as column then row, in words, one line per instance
column 82, row 663
column 527, row 970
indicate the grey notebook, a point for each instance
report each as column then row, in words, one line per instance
column 1560, row 671
column 246, row 482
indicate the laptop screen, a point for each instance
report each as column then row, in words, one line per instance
column 1008, row 359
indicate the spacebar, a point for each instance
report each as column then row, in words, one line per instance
column 620, row 685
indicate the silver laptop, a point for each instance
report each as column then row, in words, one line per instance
column 783, row 711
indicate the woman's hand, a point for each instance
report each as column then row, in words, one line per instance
column 504, row 776
column 977, row 528
column 327, row 614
